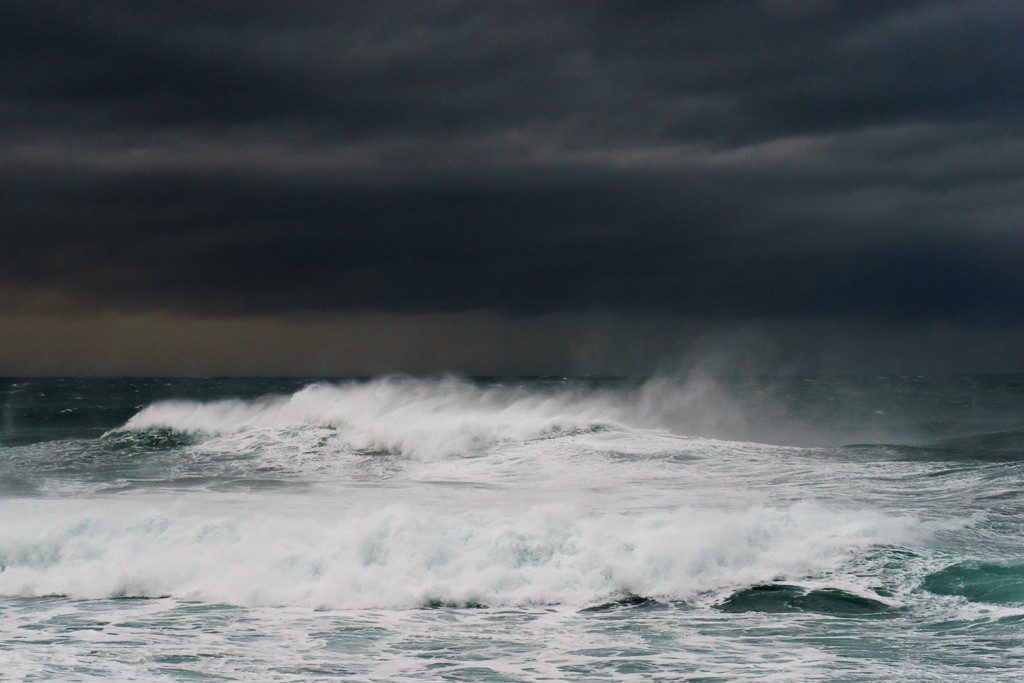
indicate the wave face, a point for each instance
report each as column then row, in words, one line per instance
column 980, row 581
column 404, row 528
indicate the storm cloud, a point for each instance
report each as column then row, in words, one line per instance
column 707, row 161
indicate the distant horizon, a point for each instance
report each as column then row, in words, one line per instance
column 477, row 340
column 486, row 378
column 488, row 344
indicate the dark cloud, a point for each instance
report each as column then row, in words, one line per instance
column 709, row 160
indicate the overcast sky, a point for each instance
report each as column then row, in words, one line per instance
column 344, row 187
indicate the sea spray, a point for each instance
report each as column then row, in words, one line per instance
column 374, row 529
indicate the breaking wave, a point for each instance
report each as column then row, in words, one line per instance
column 399, row 557
column 415, row 417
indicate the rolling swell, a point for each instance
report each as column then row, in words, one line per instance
column 979, row 582
column 789, row 598
column 1010, row 442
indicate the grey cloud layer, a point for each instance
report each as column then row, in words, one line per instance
column 702, row 159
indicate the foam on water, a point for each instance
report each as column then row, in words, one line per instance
column 598, row 529
column 405, row 556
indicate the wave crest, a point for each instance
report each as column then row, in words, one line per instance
column 415, row 417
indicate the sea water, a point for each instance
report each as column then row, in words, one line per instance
column 403, row 528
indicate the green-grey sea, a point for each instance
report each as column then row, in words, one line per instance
column 506, row 529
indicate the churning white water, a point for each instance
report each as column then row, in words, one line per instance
column 565, row 529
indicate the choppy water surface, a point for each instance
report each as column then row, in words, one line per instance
column 504, row 529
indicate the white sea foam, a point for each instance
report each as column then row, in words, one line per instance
column 437, row 418
column 399, row 556
column 416, row 417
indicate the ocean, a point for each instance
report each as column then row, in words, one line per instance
column 507, row 529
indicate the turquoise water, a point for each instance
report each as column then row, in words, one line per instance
column 512, row 529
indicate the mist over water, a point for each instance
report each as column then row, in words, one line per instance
column 513, row 528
